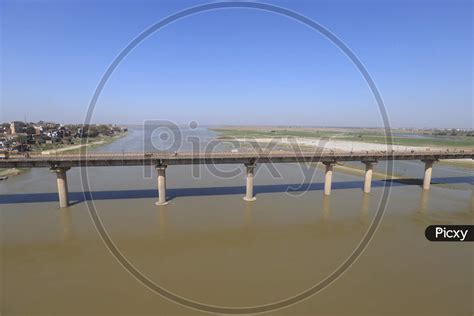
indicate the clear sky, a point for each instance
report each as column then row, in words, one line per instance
column 239, row 66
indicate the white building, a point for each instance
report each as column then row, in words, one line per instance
column 12, row 128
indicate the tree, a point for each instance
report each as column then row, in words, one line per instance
column 30, row 130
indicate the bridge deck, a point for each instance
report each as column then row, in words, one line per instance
column 186, row 158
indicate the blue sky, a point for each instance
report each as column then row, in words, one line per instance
column 239, row 66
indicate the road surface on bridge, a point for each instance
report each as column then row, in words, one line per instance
column 185, row 158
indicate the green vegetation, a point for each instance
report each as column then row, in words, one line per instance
column 96, row 142
column 238, row 133
column 440, row 141
column 92, row 143
column 358, row 135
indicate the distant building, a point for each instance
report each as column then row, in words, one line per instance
column 12, row 128
column 38, row 130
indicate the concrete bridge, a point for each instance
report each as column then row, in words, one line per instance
column 60, row 164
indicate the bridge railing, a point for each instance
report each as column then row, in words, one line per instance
column 241, row 154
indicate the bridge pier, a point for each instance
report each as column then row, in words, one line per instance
column 62, row 185
column 161, row 170
column 369, row 166
column 250, row 176
column 428, row 173
column 328, row 177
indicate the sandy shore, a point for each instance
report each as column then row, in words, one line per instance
column 333, row 144
column 11, row 172
column 68, row 148
column 345, row 145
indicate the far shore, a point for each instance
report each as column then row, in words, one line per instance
column 70, row 148
column 12, row 171
column 350, row 137
column 66, row 149
column 348, row 146
column 104, row 140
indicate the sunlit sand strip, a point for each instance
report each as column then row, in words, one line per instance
column 68, row 148
column 332, row 144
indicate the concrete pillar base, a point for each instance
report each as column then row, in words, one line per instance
column 249, row 196
column 249, row 199
column 63, row 191
column 328, row 177
column 428, row 173
column 161, row 170
column 369, row 166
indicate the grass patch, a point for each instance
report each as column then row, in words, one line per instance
column 92, row 143
column 372, row 136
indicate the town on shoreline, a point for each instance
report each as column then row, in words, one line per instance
column 49, row 137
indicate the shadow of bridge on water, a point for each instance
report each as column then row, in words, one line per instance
column 78, row 197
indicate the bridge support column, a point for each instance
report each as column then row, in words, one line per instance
column 161, row 170
column 428, row 173
column 328, row 177
column 250, row 175
column 369, row 166
column 62, row 185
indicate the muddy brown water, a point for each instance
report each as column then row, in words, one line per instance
column 210, row 246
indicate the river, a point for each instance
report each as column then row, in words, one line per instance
column 210, row 246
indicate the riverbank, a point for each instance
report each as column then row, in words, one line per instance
column 334, row 139
column 12, row 171
column 92, row 143
column 71, row 149
column 353, row 135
